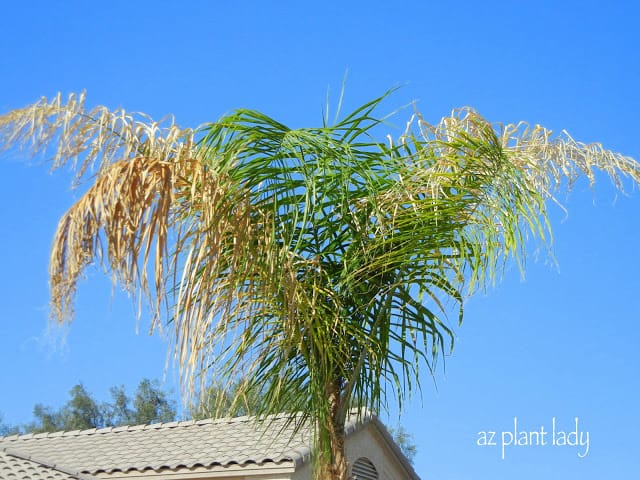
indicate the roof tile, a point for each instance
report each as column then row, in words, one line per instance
column 241, row 440
column 16, row 467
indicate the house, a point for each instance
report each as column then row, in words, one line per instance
column 234, row 448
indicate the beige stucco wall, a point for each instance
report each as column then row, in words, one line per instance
column 369, row 443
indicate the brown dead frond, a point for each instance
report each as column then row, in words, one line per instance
column 121, row 221
column 71, row 134
column 170, row 229
column 549, row 161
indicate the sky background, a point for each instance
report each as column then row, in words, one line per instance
column 561, row 343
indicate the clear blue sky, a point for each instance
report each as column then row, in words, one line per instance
column 562, row 343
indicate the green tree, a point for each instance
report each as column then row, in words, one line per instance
column 81, row 412
column 151, row 404
column 221, row 400
column 45, row 420
column 119, row 411
column 405, row 441
column 318, row 263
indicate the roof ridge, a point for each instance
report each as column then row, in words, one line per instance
column 395, row 448
column 45, row 463
column 146, row 426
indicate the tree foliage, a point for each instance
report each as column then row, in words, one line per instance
column 150, row 404
column 221, row 400
column 320, row 264
column 405, row 441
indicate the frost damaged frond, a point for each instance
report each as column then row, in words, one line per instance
column 121, row 221
column 555, row 160
column 174, row 232
column 184, row 239
column 548, row 160
column 87, row 138
column 501, row 177
column 223, row 251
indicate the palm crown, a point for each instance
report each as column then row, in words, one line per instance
column 318, row 264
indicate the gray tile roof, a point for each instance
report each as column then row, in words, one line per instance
column 13, row 465
column 207, row 443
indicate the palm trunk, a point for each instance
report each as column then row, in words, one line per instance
column 332, row 463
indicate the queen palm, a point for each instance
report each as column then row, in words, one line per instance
column 319, row 264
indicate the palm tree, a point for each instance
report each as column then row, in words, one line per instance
column 320, row 264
